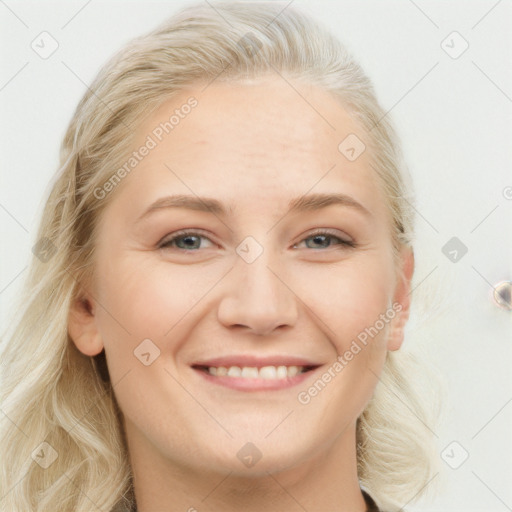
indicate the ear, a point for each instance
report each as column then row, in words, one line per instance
column 402, row 299
column 82, row 327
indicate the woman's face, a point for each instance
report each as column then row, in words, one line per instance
column 252, row 284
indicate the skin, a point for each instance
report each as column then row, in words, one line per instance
column 254, row 146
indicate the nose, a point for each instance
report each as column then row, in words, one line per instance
column 258, row 297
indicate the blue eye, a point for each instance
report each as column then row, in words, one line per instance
column 188, row 240
column 191, row 241
column 324, row 239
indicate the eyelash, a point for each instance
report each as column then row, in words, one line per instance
column 183, row 234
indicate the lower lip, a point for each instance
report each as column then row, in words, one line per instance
column 243, row 384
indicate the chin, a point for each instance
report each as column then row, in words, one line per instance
column 254, row 459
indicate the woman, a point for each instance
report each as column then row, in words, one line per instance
column 220, row 286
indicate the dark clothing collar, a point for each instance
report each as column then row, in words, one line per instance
column 370, row 504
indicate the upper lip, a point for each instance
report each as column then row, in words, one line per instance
column 255, row 361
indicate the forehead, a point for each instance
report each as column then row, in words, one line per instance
column 267, row 138
column 294, row 120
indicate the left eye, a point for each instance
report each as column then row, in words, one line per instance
column 192, row 241
column 324, row 240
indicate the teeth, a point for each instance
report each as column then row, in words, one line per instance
column 268, row 372
column 293, row 370
column 234, row 371
column 251, row 372
column 281, row 372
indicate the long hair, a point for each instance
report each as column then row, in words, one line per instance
column 58, row 403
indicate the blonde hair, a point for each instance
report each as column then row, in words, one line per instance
column 53, row 393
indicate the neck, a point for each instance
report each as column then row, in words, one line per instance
column 327, row 481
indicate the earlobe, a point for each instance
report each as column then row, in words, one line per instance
column 396, row 335
column 402, row 300
column 82, row 328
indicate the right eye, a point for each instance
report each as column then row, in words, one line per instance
column 184, row 240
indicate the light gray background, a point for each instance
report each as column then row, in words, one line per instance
column 454, row 118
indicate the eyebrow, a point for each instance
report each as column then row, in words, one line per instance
column 304, row 203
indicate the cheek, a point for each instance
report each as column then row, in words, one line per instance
column 148, row 301
column 349, row 306
column 138, row 288
column 143, row 298
column 349, row 297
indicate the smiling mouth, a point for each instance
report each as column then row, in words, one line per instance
column 270, row 372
